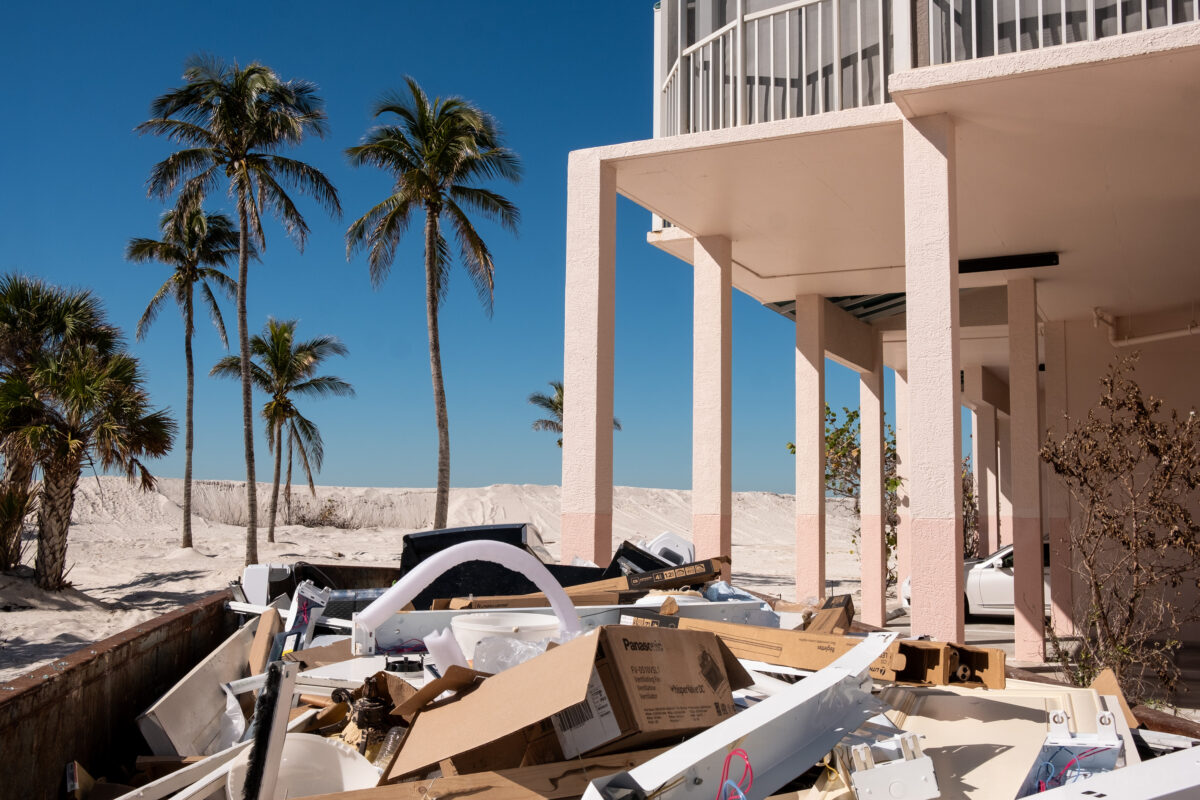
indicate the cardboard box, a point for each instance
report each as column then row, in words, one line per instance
column 616, row 688
column 912, row 661
column 799, row 649
column 608, row 592
column 692, row 574
column 834, row 615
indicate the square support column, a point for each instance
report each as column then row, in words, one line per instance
column 1004, row 503
column 904, row 473
column 1058, row 499
column 587, row 482
column 986, row 477
column 983, row 458
column 1028, row 595
column 810, row 447
column 871, row 544
column 712, row 390
column 931, row 283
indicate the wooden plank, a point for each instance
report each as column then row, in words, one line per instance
column 543, row 782
column 269, row 624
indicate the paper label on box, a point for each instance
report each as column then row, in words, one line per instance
column 587, row 724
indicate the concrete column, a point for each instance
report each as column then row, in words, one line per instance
column 1004, row 503
column 588, row 360
column 931, row 283
column 983, row 458
column 1028, row 599
column 1058, row 500
column 871, row 544
column 904, row 473
column 810, row 447
column 712, row 326
column 986, row 478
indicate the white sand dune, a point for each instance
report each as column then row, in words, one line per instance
column 126, row 565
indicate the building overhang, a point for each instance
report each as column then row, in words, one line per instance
column 1087, row 150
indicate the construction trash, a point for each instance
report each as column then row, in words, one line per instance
column 650, row 678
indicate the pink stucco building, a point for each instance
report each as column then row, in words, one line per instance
column 991, row 197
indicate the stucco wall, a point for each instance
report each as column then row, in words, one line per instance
column 1166, row 369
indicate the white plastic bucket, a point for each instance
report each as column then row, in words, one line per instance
column 470, row 629
column 310, row 764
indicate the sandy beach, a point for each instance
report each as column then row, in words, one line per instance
column 126, row 565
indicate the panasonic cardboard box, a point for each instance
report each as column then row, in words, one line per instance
column 614, row 689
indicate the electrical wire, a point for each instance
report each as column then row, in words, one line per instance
column 744, row 784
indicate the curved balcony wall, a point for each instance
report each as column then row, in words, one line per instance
column 721, row 63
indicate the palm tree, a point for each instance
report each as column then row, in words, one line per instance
column 78, row 406
column 232, row 121
column 36, row 320
column 284, row 368
column 553, row 405
column 198, row 246
column 435, row 153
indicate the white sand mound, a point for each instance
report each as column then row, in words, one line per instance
column 126, row 565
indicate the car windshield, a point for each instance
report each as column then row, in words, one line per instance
column 1007, row 561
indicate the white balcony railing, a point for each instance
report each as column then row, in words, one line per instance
column 774, row 59
column 959, row 30
column 775, row 64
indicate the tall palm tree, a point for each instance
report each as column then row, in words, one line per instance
column 552, row 404
column 435, row 152
column 284, row 368
column 36, row 320
column 198, row 246
column 78, row 406
column 232, row 122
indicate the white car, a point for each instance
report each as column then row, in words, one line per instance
column 988, row 583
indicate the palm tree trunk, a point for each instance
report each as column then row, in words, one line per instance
column 54, row 520
column 287, row 492
column 275, row 481
column 187, row 424
column 14, row 505
column 247, row 400
column 441, row 502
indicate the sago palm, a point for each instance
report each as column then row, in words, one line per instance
column 197, row 246
column 76, row 407
column 283, row 368
column 436, row 151
column 36, row 320
column 552, row 404
column 232, row 121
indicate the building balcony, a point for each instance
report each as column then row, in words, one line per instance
column 724, row 63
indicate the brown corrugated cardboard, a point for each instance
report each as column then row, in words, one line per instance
column 692, row 574
column 799, row 649
column 615, row 687
column 269, row 624
column 611, row 591
column 834, row 616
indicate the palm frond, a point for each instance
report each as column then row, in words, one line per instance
column 153, row 307
column 214, row 310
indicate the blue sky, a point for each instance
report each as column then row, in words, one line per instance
column 558, row 76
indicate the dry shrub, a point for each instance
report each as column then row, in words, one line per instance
column 1133, row 471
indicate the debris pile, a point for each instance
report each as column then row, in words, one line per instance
column 649, row 678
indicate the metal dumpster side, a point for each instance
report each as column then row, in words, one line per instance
column 83, row 707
